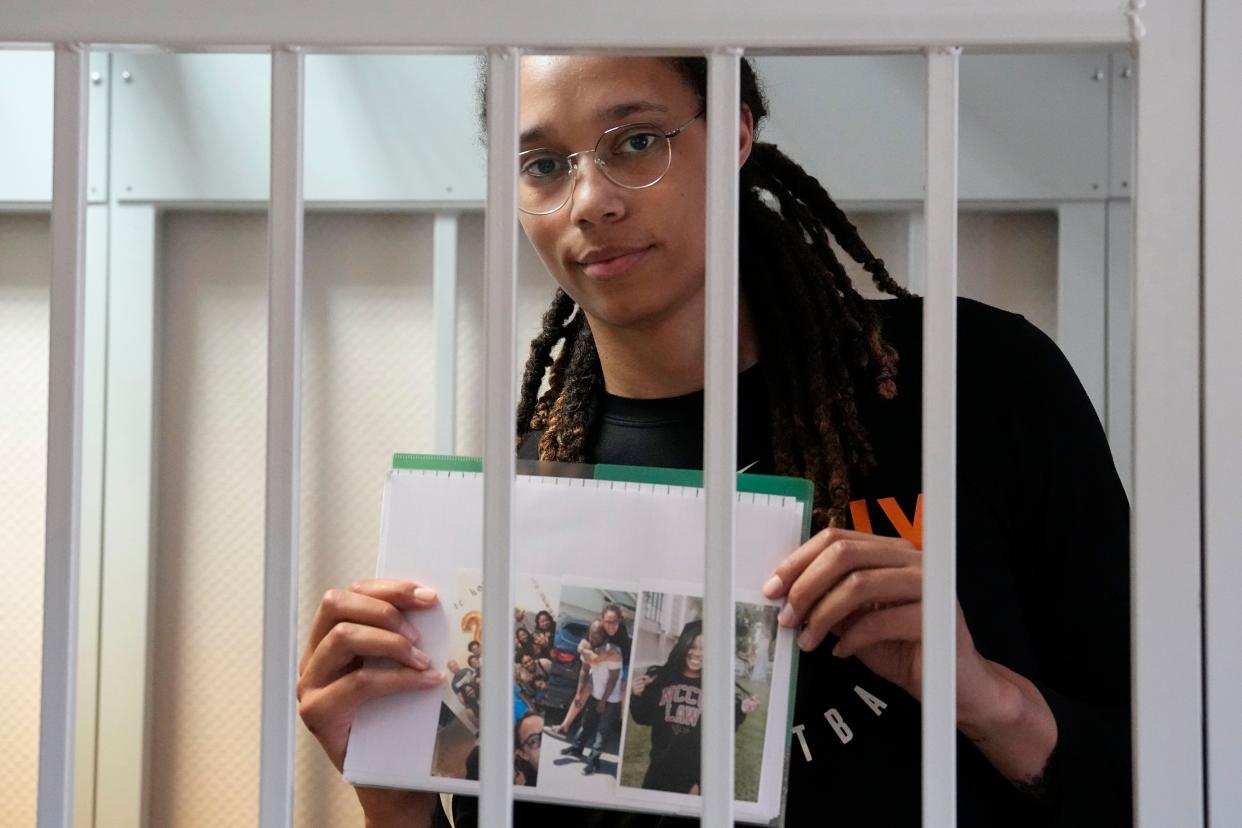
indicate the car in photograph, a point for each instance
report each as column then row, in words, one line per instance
column 563, row 677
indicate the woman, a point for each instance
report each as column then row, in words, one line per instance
column 1042, row 635
column 522, row 644
column 545, row 624
column 667, row 699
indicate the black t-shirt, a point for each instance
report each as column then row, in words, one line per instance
column 1042, row 579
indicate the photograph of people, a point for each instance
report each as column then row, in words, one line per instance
column 661, row 751
column 611, row 194
column 587, row 686
column 455, row 752
column 601, row 662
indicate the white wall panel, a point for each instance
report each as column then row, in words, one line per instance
column 1034, row 127
column 379, row 129
column 26, row 121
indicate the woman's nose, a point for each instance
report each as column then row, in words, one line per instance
column 595, row 198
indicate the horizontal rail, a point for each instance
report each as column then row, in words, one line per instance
column 692, row 25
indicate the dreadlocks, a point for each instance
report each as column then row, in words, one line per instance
column 817, row 335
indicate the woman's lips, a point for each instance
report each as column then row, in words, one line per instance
column 614, row 266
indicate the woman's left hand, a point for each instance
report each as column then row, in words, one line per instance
column 868, row 590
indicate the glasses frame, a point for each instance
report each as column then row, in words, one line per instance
column 572, row 158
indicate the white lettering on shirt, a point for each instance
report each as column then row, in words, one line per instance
column 838, row 725
column 877, row 706
column 806, row 750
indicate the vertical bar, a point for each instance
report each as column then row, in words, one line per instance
column 1119, row 399
column 940, row 444
column 1166, row 519
column 1082, row 301
column 284, row 422
column 90, row 572
column 500, row 322
column 126, row 602
column 720, row 432
column 58, row 705
column 1222, row 415
column 444, row 299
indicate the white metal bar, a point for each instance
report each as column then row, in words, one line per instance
column 1082, row 278
column 444, row 299
column 500, row 323
column 95, row 329
column 58, row 704
column 916, row 246
column 1119, row 400
column 126, row 605
column 647, row 24
column 1166, row 517
column 940, row 444
column 720, row 432
column 284, row 422
column 1222, row 414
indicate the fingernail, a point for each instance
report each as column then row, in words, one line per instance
column 434, row 675
column 786, row 616
column 421, row 660
column 409, row 631
column 426, row 594
column 773, row 587
column 804, row 640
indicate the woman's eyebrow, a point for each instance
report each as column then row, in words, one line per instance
column 616, row 112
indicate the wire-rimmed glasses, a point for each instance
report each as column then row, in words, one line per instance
column 633, row 156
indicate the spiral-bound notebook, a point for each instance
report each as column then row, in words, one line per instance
column 607, row 653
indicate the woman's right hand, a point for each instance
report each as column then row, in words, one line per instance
column 350, row 625
column 639, row 683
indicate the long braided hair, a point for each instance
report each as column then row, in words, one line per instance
column 817, row 336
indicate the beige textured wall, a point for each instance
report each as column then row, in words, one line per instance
column 1005, row 258
column 206, row 659
column 25, row 270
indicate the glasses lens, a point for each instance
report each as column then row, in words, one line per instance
column 635, row 156
column 543, row 181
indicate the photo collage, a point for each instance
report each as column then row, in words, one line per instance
column 607, row 689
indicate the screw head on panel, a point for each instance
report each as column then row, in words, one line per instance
column 1128, row 72
column 127, row 76
column 96, row 78
column 1098, row 75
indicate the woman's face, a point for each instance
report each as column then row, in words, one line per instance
column 612, row 623
column 522, row 635
column 529, row 738
column 694, row 657
column 544, row 622
column 651, row 240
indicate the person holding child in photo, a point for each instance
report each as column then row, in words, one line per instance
column 668, row 699
column 603, row 709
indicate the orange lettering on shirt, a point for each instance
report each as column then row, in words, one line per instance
column 858, row 514
column 911, row 531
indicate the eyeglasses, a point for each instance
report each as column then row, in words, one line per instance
column 531, row 742
column 633, row 156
